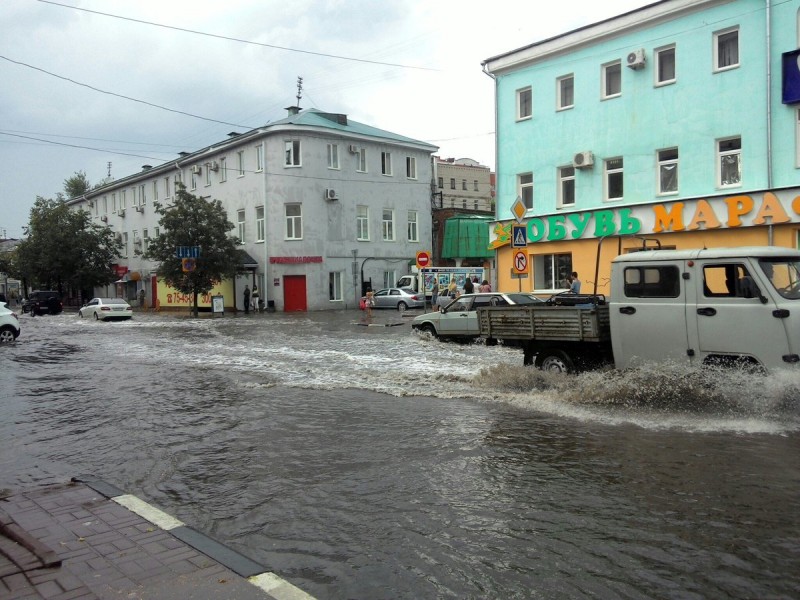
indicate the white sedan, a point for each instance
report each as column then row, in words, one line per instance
column 105, row 309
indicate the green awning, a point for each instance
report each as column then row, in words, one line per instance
column 467, row 236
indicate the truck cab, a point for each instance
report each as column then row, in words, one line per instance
column 709, row 306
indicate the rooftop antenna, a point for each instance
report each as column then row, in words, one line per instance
column 109, row 168
column 299, row 90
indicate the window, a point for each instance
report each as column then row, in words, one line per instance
column 294, row 222
column 441, row 179
column 155, row 191
column 142, row 195
column 240, row 217
column 389, row 279
column 413, row 229
column 525, row 189
column 652, row 282
column 362, row 160
column 193, row 181
column 333, row 156
column 665, row 65
column 176, row 180
column 612, row 80
column 411, row 167
column 387, row 225
column 259, row 157
column 613, row 179
column 223, row 169
column 728, row 281
column 105, row 205
column 167, row 192
column 125, row 244
column 726, row 49
column 463, row 184
column 260, row 223
column 475, row 185
column 452, row 183
column 550, row 271
column 208, row 174
column 122, row 201
column 335, row 285
column 292, row 153
column 668, row 171
column 386, row 163
column 362, row 223
column 524, row 103
column 114, row 202
column 146, row 239
column 729, row 162
column 156, row 232
column 566, row 186
column 565, row 92
column 240, row 162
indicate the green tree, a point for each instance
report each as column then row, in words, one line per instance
column 194, row 221
column 77, row 185
column 65, row 250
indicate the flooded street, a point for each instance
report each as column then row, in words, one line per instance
column 369, row 462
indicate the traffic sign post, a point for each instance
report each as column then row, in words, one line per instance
column 423, row 259
column 520, row 266
column 187, row 251
column 519, row 236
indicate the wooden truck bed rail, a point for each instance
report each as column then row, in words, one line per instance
column 555, row 323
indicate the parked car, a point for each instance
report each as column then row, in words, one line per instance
column 43, row 302
column 459, row 319
column 398, row 298
column 106, row 309
column 9, row 324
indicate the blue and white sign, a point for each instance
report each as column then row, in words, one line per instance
column 791, row 77
column 187, row 251
column 519, row 236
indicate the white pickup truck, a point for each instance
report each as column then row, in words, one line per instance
column 723, row 305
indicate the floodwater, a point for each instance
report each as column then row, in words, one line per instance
column 370, row 462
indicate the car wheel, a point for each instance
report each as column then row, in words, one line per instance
column 96, row 318
column 6, row 335
column 428, row 328
column 401, row 306
column 555, row 361
column 80, row 314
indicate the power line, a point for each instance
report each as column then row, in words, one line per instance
column 26, row 137
column 233, row 39
column 180, row 112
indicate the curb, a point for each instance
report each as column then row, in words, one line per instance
column 253, row 572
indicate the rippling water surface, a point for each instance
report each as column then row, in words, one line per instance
column 369, row 462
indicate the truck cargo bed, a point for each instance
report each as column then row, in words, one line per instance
column 546, row 323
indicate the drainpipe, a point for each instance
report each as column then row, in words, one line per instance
column 497, row 172
column 768, row 27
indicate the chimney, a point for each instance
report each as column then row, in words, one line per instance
column 293, row 110
column 233, row 134
column 146, row 167
column 183, row 154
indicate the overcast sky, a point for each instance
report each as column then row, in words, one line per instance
column 415, row 71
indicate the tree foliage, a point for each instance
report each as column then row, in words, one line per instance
column 77, row 185
column 193, row 221
column 65, row 250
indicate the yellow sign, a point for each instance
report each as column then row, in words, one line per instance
column 520, row 264
column 423, row 259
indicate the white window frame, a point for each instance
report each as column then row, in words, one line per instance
column 551, row 270
column 561, row 102
column 362, row 223
column 143, row 194
column 123, row 203
column 660, row 53
column 207, row 169
column 223, row 169
column 361, row 156
column 193, row 181
column 727, row 155
column 609, row 172
column 125, row 244
column 387, row 225
column 294, row 222
column 475, row 185
column 155, row 190
column 259, row 158
column 566, row 177
column 413, row 226
column 606, row 68
column 452, row 183
column 176, row 179
column 525, row 189
column 241, row 219
column 386, row 163
column 333, row 156
column 665, row 161
column 524, row 103
column 240, row 160
column 411, row 167
column 718, row 35
column 145, row 240
column 335, row 286
column 260, row 230
column 291, row 154
column 167, row 191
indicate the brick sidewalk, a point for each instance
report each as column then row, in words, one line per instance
column 71, row 541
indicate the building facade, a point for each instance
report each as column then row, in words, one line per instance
column 324, row 206
column 678, row 122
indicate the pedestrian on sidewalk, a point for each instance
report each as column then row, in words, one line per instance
column 246, row 299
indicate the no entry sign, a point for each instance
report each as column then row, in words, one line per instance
column 423, row 259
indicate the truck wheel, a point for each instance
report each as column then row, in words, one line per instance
column 555, row 361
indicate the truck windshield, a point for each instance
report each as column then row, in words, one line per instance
column 784, row 274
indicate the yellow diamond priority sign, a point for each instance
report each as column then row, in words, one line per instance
column 518, row 209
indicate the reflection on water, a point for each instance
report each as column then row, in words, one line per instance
column 370, row 462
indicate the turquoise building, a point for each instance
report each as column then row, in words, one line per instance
column 678, row 121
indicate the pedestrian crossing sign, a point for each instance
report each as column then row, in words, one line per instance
column 519, row 236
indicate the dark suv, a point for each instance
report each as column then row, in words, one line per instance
column 44, row 303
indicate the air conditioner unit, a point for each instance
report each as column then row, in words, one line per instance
column 214, row 166
column 121, row 212
column 330, row 194
column 196, row 170
column 353, row 149
column 140, row 209
column 583, row 160
column 104, row 219
column 91, row 203
column 636, row 59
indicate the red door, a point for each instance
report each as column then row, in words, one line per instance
column 294, row 293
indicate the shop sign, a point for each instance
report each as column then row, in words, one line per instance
column 730, row 212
